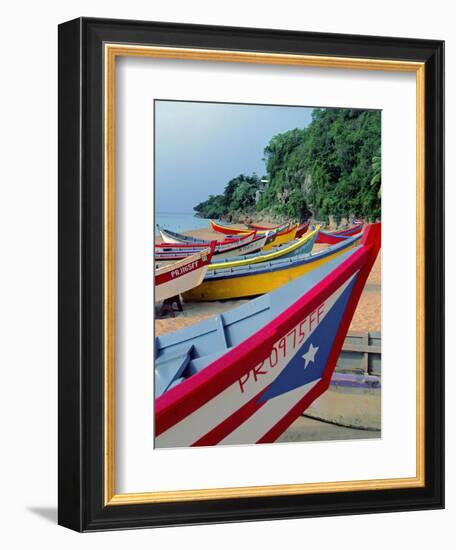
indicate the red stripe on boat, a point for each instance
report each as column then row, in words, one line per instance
column 231, row 422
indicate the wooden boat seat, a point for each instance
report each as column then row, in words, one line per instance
column 196, row 365
column 169, row 367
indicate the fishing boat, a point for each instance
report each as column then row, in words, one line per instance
column 284, row 236
column 172, row 237
column 252, row 279
column 334, row 237
column 231, row 230
column 302, row 229
column 244, row 376
column 174, row 279
column 263, row 227
column 303, row 245
column 300, row 232
column 165, row 252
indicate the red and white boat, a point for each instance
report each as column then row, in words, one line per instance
column 301, row 229
column 229, row 229
column 263, row 227
column 334, row 237
column 178, row 277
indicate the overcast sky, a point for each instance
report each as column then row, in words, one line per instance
column 201, row 146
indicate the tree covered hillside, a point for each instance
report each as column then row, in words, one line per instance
column 238, row 199
column 331, row 168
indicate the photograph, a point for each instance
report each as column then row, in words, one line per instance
column 225, row 311
column 267, row 282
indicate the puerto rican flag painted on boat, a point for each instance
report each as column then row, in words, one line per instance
column 256, row 390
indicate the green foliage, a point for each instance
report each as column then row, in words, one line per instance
column 283, row 194
column 239, row 196
column 331, row 168
column 214, row 207
column 334, row 162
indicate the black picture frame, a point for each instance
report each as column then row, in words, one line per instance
column 81, row 472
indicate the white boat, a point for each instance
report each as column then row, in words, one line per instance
column 183, row 275
column 172, row 237
column 165, row 252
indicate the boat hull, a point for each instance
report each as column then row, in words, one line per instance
column 229, row 230
column 301, row 246
column 282, row 237
column 228, row 286
column 162, row 254
column 333, row 238
column 263, row 227
column 181, row 276
column 249, row 248
column 172, row 237
column 302, row 229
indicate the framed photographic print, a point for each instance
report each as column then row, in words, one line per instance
column 250, row 274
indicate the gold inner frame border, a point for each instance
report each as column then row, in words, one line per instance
column 111, row 53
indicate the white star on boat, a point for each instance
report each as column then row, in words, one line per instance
column 309, row 356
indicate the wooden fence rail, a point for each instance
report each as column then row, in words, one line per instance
column 361, row 353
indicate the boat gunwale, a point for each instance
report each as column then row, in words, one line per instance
column 283, row 229
column 182, row 262
column 293, row 261
column 236, row 246
column 195, row 241
column 273, row 254
column 344, row 232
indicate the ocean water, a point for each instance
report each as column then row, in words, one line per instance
column 179, row 221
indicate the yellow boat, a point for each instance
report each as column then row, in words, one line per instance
column 301, row 246
column 284, row 234
column 230, row 230
column 256, row 279
column 283, row 237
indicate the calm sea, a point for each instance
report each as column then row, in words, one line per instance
column 179, row 221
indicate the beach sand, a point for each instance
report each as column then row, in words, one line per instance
column 309, row 429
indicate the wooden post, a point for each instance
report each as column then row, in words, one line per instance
column 366, row 353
